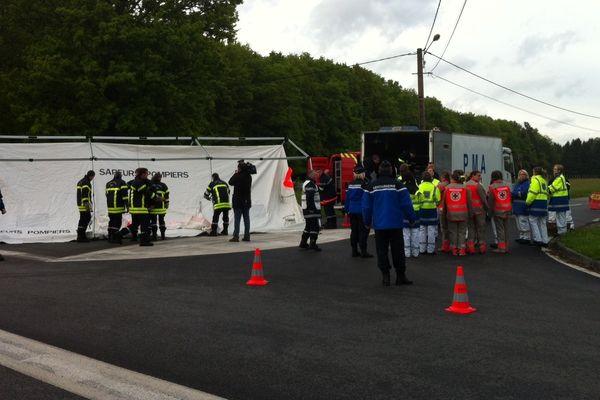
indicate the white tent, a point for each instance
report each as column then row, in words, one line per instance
column 38, row 183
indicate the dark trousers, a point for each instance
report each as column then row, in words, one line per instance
column 84, row 220
column 156, row 221
column 143, row 222
column 386, row 240
column 311, row 231
column 359, row 234
column 217, row 213
column 330, row 215
column 114, row 223
column 238, row 213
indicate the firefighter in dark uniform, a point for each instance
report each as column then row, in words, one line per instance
column 385, row 205
column 3, row 211
column 84, row 204
column 218, row 192
column 311, row 207
column 359, row 234
column 117, row 196
column 141, row 198
column 160, row 206
column 328, row 198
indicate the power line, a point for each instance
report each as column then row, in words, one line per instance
column 433, row 24
column 514, row 91
column 333, row 67
column 513, row 106
column 451, row 36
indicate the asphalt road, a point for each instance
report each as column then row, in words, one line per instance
column 323, row 328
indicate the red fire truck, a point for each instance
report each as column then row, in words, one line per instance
column 341, row 167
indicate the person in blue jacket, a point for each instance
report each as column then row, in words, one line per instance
column 359, row 234
column 385, row 204
column 3, row 211
column 519, row 195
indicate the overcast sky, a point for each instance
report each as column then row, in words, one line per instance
column 545, row 49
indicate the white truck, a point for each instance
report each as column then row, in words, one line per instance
column 449, row 151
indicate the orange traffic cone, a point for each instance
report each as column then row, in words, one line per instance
column 460, row 302
column 346, row 223
column 257, row 278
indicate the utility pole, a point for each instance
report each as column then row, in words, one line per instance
column 421, row 91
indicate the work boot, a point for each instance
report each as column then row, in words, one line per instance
column 462, row 252
column 304, row 241
column 355, row 252
column 81, row 238
column 154, row 236
column 246, row 239
column 386, row 281
column 313, row 243
column 163, row 233
column 1, row 258
column 145, row 240
column 213, row 230
column 110, row 236
column 402, row 280
column 365, row 254
column 224, row 231
column 234, row 239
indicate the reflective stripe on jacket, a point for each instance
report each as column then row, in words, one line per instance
column 559, row 194
column 311, row 200
column 161, row 198
column 116, row 196
column 537, row 196
column 84, row 194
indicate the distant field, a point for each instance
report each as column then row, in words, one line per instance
column 584, row 241
column 583, row 187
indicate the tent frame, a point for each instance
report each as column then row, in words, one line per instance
column 193, row 140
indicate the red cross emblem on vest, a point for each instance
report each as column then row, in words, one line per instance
column 455, row 196
column 502, row 195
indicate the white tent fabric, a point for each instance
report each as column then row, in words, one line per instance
column 40, row 194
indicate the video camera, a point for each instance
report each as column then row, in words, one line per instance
column 247, row 167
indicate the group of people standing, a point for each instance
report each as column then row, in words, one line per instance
column 408, row 214
column 147, row 200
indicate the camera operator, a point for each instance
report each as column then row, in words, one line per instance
column 241, row 201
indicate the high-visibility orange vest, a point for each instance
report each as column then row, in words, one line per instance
column 475, row 199
column 456, row 200
column 502, row 198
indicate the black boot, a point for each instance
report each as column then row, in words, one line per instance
column 224, row 231
column 1, row 258
column 304, row 241
column 145, row 240
column 81, row 238
column 163, row 233
column 154, row 233
column 385, row 275
column 213, row 230
column 313, row 242
column 402, row 280
column 355, row 252
column 365, row 254
column 110, row 236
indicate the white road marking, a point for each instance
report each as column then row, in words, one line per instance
column 577, row 267
column 27, row 256
column 87, row 377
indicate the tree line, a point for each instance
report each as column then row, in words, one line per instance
column 174, row 67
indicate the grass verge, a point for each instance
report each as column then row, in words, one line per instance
column 584, row 241
column 584, row 187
